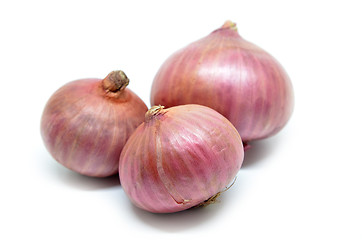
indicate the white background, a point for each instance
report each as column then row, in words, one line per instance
column 304, row 183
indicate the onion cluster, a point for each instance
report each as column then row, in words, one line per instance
column 208, row 99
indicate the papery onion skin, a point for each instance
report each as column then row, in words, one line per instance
column 179, row 157
column 231, row 75
column 86, row 123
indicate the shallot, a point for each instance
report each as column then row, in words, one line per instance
column 231, row 75
column 86, row 123
column 179, row 158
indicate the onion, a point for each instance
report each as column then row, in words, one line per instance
column 86, row 123
column 179, row 158
column 231, row 75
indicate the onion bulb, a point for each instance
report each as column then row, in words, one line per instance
column 86, row 123
column 179, row 158
column 231, row 75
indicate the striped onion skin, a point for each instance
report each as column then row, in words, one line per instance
column 179, row 157
column 85, row 126
column 231, row 75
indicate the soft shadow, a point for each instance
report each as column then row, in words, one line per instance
column 260, row 150
column 86, row 183
column 51, row 168
column 175, row 222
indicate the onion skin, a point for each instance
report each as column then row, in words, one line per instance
column 179, row 157
column 86, row 123
column 231, row 75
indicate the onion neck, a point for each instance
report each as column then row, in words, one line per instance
column 153, row 112
column 229, row 25
column 115, row 82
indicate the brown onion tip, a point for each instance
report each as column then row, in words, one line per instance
column 153, row 111
column 229, row 25
column 115, row 81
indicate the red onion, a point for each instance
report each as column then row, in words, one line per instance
column 86, row 123
column 231, row 75
column 179, row 157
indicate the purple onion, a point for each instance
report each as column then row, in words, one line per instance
column 86, row 123
column 179, row 158
column 231, row 75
